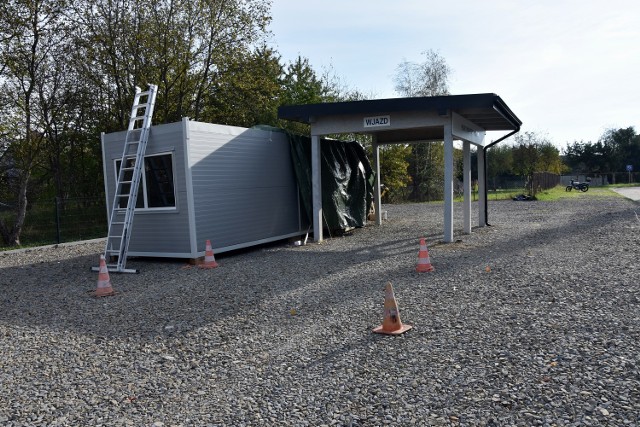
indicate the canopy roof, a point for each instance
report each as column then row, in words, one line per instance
column 487, row 111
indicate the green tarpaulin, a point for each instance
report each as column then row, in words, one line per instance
column 347, row 181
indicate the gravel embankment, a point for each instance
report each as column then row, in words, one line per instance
column 281, row 335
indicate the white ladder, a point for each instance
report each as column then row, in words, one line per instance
column 128, row 180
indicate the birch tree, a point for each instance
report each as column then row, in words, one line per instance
column 31, row 35
column 426, row 161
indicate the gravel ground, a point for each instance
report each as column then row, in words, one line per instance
column 533, row 321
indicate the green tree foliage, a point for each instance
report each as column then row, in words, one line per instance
column 499, row 163
column 248, row 90
column 393, row 171
column 426, row 168
column 186, row 47
column 615, row 149
column 68, row 71
column 532, row 153
column 549, row 160
column 33, row 36
column 586, row 157
column 624, row 146
column 302, row 85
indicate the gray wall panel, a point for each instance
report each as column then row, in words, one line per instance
column 156, row 231
column 244, row 185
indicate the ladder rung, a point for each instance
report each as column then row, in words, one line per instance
column 126, row 182
column 117, row 223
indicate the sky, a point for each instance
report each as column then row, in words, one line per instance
column 568, row 69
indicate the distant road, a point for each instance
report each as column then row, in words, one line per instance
column 632, row 193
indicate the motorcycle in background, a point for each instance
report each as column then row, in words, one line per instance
column 582, row 186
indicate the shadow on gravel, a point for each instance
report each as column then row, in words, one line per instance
column 578, row 232
column 169, row 299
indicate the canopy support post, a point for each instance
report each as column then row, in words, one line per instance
column 377, row 203
column 482, row 185
column 316, row 187
column 448, row 183
column 466, row 183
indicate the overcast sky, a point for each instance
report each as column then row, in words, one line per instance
column 568, row 69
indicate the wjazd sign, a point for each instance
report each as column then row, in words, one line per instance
column 377, row 121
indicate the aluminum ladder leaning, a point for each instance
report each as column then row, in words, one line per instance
column 130, row 169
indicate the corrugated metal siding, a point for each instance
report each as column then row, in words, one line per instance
column 157, row 233
column 243, row 184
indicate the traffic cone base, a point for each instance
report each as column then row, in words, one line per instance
column 424, row 263
column 424, row 268
column 404, row 328
column 100, row 293
column 209, row 259
column 104, row 288
column 391, row 324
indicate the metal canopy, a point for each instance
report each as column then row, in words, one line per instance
column 486, row 110
column 406, row 120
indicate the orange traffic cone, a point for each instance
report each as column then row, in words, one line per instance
column 209, row 259
column 104, row 288
column 424, row 264
column 391, row 325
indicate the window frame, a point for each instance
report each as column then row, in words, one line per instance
column 143, row 184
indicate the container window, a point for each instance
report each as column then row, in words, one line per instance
column 157, row 190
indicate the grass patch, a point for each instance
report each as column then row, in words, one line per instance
column 556, row 193
column 559, row 192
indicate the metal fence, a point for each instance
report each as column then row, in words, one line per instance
column 61, row 220
column 545, row 180
column 604, row 178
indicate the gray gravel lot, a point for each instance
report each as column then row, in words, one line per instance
column 281, row 335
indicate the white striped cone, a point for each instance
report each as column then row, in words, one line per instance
column 424, row 263
column 209, row 259
column 104, row 288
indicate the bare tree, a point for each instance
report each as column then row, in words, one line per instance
column 427, row 78
column 426, row 164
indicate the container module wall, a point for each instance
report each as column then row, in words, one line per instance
column 158, row 231
column 233, row 186
column 244, row 187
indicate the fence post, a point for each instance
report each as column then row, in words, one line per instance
column 56, row 201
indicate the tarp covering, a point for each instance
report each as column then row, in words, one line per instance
column 347, row 181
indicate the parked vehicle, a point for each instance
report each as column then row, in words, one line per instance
column 582, row 186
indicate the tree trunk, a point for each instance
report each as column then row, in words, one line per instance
column 11, row 235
